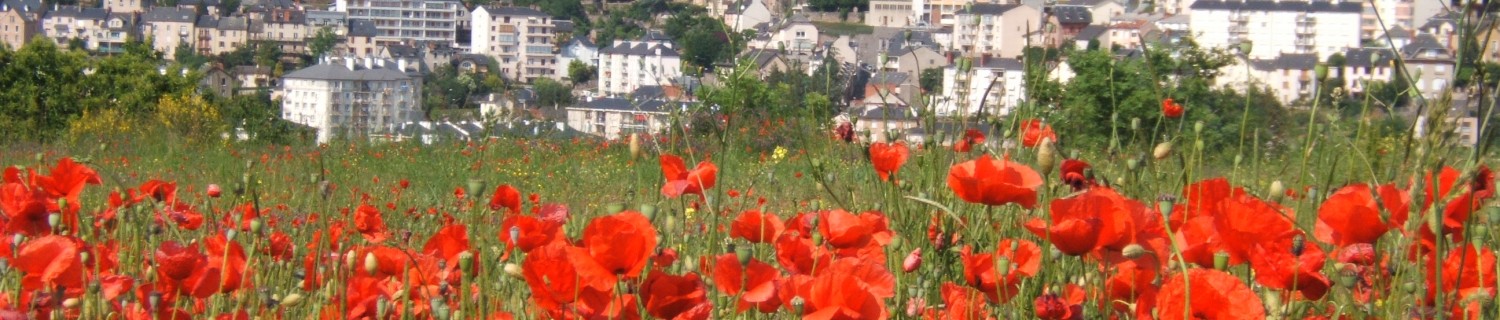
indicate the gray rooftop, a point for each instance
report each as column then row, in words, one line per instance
column 1424, row 43
column 1368, row 57
column 514, row 11
column 208, row 22
column 640, row 49
column 24, row 5
column 337, row 71
column 562, row 26
column 618, row 104
column 988, row 9
column 1091, row 32
column 362, row 28
column 1288, row 61
column 1354, row 7
column 170, row 14
column 127, row 18
column 1072, row 14
column 888, row 78
column 82, row 14
column 999, row 63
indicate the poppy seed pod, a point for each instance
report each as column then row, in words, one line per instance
column 1221, row 261
column 635, row 145
column 154, row 300
column 743, row 254
column 476, row 185
column 1133, row 251
column 649, row 211
column 1162, row 150
column 1002, row 266
column 1198, row 127
column 1135, row 124
column 1277, row 190
column 513, row 270
column 515, row 234
column 256, row 225
column 54, row 219
column 1321, row 71
column 382, row 307
column 371, row 265
column 1298, row 244
column 291, row 300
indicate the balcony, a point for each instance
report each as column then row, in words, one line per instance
column 1239, row 29
column 1239, row 17
column 1304, row 41
column 1304, row 30
column 1304, row 20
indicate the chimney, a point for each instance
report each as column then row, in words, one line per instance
column 984, row 59
column 349, row 62
column 658, row 51
column 369, row 63
column 401, row 64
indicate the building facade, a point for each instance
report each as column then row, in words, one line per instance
column 409, row 20
column 629, row 65
column 520, row 39
column 1002, row 30
column 616, row 118
column 18, row 25
column 169, row 28
column 351, row 97
column 994, row 86
column 1278, row 26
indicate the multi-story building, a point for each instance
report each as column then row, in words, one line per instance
column 747, row 14
column 360, row 39
column 577, row 49
column 127, row 6
column 615, row 118
column 66, row 23
column 1102, row 11
column 1002, row 30
column 1430, row 64
column 222, row 35
column 19, row 20
column 993, row 86
column 119, row 28
column 318, row 19
column 1385, row 14
column 287, row 28
column 352, row 97
column 409, row 20
column 628, row 65
column 796, row 35
column 1278, row 26
column 891, row 14
column 520, row 40
column 1363, row 66
column 169, row 28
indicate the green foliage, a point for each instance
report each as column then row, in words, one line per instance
column 615, row 26
column 931, row 80
column 552, row 93
column 185, row 55
column 843, row 28
column 569, row 9
column 838, row 5
column 258, row 116
column 448, row 88
column 321, row 42
column 824, row 85
column 45, row 87
column 581, row 72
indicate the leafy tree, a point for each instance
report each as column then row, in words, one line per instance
column 322, row 42
column 258, row 116
column 189, row 117
column 702, row 48
column 267, row 54
column 931, row 80
column 187, row 56
column 552, row 93
column 614, row 26
column 580, row 72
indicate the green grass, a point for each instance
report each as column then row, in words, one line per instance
column 843, row 28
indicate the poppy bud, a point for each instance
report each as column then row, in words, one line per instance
column 245, row 178
column 797, row 305
column 895, row 241
column 476, row 185
column 256, row 225
column 1198, row 144
column 649, row 211
column 1198, row 127
column 439, row 308
column 1347, row 278
column 214, row 191
column 817, row 164
column 1221, row 261
column 325, row 188
column 1493, row 214
column 154, row 299
column 1002, row 266
column 70, row 303
column 1321, row 71
column 1237, row 159
column 1298, row 244
column 371, row 265
column 349, row 259
column 513, row 270
column 613, row 208
column 1046, row 154
column 743, row 254
column 817, row 238
column 382, row 307
column 229, row 234
column 635, row 145
column 1245, row 47
column 1131, row 164
column 1277, row 190
column 54, row 219
column 40, row 157
column 913, row 261
column 1133, row 251
column 291, row 300
column 1162, row 150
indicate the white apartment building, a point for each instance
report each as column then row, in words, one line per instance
column 629, row 65
column 577, row 49
column 1003, row 79
column 1392, row 13
column 1000, row 30
column 1278, row 26
column 352, row 97
column 1363, row 66
column 168, row 28
column 797, row 35
column 66, row 23
column 127, row 6
column 520, row 40
column 615, row 118
column 402, row 20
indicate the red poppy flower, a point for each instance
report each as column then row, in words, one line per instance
column 226, row 264
column 1067, row 305
column 1350, row 216
column 448, row 244
column 668, row 296
column 995, row 182
column 26, row 210
column 278, row 246
column 559, row 274
column 1279, row 265
column 1214, row 295
column 527, row 233
column 52, row 260
column 160, row 190
column 754, row 283
column 368, row 221
column 67, row 180
column 1248, row 222
column 506, row 197
column 971, row 138
column 1480, row 190
column 680, row 181
column 888, row 158
column 798, row 255
column 1033, row 132
column 981, row 272
column 1073, row 174
column 176, row 262
column 622, row 243
column 1132, row 287
column 844, row 132
column 1203, row 198
column 960, row 303
column 1466, row 272
column 842, row 229
column 756, row 227
column 839, row 295
column 1171, row 109
column 1094, row 219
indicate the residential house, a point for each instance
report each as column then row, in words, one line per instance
column 891, row 14
column 19, row 22
column 360, row 39
column 346, row 98
column 169, row 28
column 287, row 28
column 747, row 14
column 1126, row 33
column 1001, row 30
column 1091, row 35
column 1380, row 15
column 1278, row 26
column 1363, row 66
column 766, row 61
column 127, row 6
column 209, row 7
column 628, row 65
column 884, row 89
column 253, row 78
column 216, row 80
column 65, row 23
column 119, row 28
column 229, row 33
column 1102, row 11
column 509, row 104
column 520, row 40
column 616, row 118
column 1289, row 76
column 417, row 20
column 946, row 12
column 881, row 123
column 797, row 35
column 911, row 55
column 577, row 49
column 319, row 19
column 474, row 64
column 1444, row 27
column 1065, row 22
column 1396, row 37
column 1430, row 64
column 992, row 86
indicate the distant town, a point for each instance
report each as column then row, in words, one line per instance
column 370, row 59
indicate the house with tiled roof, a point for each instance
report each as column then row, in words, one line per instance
column 351, row 97
column 19, row 21
column 1278, row 26
column 169, row 28
column 628, row 65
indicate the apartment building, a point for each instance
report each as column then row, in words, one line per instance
column 993, row 86
column 409, row 20
column 169, row 28
column 66, row 23
column 615, row 118
column 520, row 40
column 1278, row 26
column 1430, row 64
column 796, row 35
column 19, row 22
column 1380, row 15
column 1363, row 66
column 286, row 27
column 222, row 35
column 351, row 97
column 1102, row 11
column 1001, row 30
column 891, row 14
column 360, row 39
column 127, row 6
column 628, row 65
